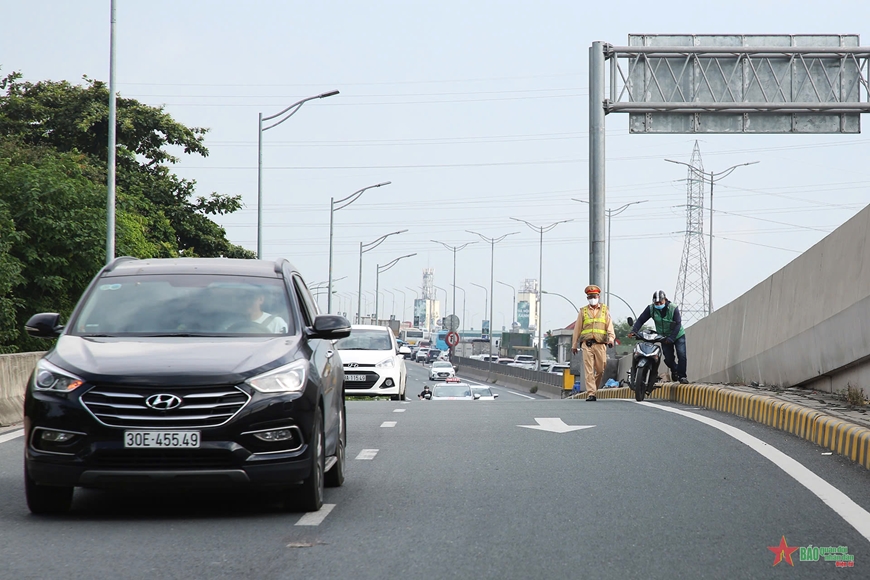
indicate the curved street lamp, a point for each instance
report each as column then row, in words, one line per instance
column 492, row 242
column 541, row 230
column 714, row 177
column 381, row 269
column 363, row 248
column 453, row 249
column 334, row 206
column 514, row 290
column 292, row 108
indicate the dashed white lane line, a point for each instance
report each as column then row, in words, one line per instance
column 388, row 424
column 367, row 454
column 316, row 518
column 11, row 435
column 838, row 501
column 399, row 410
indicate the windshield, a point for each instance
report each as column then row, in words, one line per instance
column 184, row 305
column 366, row 339
column 452, row 391
column 482, row 391
column 441, row 364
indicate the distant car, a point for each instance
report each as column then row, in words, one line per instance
column 372, row 363
column 503, row 361
column 453, row 392
column 433, row 354
column 525, row 359
column 422, row 355
column 485, row 393
column 441, row 370
column 405, row 351
column 558, row 368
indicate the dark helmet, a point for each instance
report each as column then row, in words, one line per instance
column 659, row 296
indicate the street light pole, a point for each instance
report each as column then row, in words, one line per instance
column 541, row 230
column 381, row 269
column 363, row 248
column 334, row 206
column 714, row 177
column 610, row 213
column 393, row 303
column 404, row 302
column 461, row 322
column 492, row 242
column 514, row 290
column 454, row 249
column 295, row 107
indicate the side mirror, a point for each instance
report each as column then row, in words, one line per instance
column 44, row 325
column 495, row 395
column 476, row 396
column 630, row 321
column 330, row 327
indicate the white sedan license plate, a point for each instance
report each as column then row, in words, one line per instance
column 354, row 377
column 161, row 439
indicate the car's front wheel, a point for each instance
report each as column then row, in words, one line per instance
column 335, row 476
column 309, row 496
column 46, row 499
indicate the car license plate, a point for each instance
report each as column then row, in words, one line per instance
column 354, row 377
column 161, row 439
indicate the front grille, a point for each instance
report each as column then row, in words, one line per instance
column 124, row 406
column 161, row 458
column 370, row 379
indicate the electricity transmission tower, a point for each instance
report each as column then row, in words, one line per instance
column 692, row 294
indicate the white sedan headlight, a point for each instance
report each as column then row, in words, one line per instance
column 387, row 363
column 287, row 379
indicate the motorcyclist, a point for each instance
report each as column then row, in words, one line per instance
column 666, row 316
column 426, row 393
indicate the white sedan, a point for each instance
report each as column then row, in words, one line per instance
column 485, row 393
column 441, row 370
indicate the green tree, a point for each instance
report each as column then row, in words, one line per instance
column 73, row 118
column 52, row 235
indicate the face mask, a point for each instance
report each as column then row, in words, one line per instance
column 659, row 306
column 593, row 301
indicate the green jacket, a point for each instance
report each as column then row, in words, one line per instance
column 664, row 320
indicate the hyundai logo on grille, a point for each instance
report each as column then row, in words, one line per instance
column 353, row 365
column 163, row 402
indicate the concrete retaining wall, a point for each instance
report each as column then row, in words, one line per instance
column 15, row 369
column 806, row 325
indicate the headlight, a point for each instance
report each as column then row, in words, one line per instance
column 47, row 377
column 287, row 379
column 387, row 363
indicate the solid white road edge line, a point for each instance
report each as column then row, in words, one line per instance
column 316, row 518
column 367, row 454
column 838, row 501
column 11, row 435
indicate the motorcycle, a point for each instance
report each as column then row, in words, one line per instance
column 645, row 362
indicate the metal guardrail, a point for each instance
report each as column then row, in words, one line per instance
column 515, row 372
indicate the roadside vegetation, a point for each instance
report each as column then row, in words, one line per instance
column 53, row 209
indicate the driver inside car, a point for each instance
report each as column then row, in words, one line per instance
column 252, row 301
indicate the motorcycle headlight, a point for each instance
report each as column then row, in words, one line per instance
column 287, row 379
column 48, row 377
column 387, row 363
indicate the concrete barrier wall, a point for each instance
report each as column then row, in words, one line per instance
column 15, row 369
column 806, row 325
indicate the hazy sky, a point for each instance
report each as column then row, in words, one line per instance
column 477, row 112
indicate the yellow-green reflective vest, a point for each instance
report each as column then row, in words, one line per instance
column 594, row 328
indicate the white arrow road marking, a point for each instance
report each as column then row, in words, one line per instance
column 388, row 424
column 10, row 436
column 367, row 454
column 316, row 518
column 555, row 425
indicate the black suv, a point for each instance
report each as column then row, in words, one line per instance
column 190, row 373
